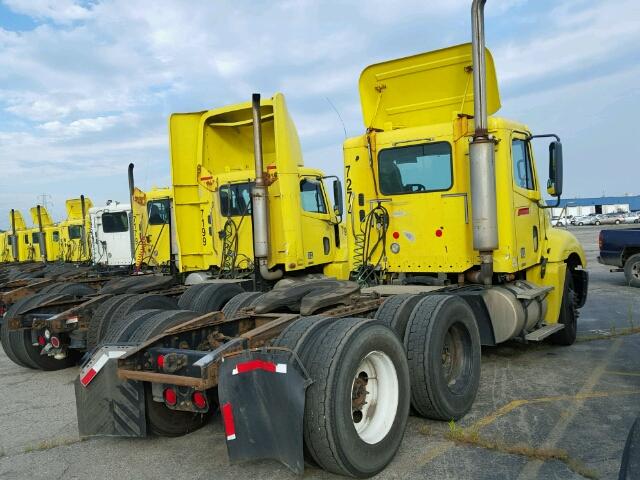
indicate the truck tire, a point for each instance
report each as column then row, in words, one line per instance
column 241, row 300
column 186, row 299
column 9, row 338
column 395, row 312
column 128, row 325
column 135, row 303
column 30, row 354
column 568, row 315
column 74, row 289
column 49, row 288
column 632, row 270
column 99, row 322
column 213, row 297
column 161, row 322
column 163, row 421
column 358, row 363
column 443, row 350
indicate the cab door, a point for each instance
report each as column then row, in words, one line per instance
column 526, row 196
column 317, row 228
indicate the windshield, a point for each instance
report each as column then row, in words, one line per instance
column 415, row 168
column 115, row 222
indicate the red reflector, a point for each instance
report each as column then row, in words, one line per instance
column 199, row 399
column 255, row 365
column 88, row 377
column 227, row 418
column 206, row 178
column 160, row 362
column 396, row 235
column 55, row 342
column 41, row 341
column 438, row 233
column 170, row 396
column 523, row 211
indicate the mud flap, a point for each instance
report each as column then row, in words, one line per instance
column 108, row 406
column 261, row 397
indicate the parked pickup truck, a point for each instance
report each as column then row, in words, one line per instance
column 621, row 248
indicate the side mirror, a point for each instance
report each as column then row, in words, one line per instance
column 554, row 184
column 338, row 208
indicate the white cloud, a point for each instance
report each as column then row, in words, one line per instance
column 62, row 11
column 578, row 35
column 86, row 125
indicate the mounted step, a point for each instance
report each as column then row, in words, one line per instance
column 544, row 332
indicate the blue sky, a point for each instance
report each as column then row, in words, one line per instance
column 86, row 87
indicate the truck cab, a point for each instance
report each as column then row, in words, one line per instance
column 152, row 212
column 74, row 231
column 409, row 177
column 213, row 175
column 46, row 238
column 111, row 243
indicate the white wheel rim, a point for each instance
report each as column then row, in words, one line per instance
column 374, row 397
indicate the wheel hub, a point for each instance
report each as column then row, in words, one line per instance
column 374, row 397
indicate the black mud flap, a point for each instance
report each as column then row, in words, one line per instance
column 108, row 406
column 261, row 397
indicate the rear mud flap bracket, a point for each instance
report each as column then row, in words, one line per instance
column 262, row 397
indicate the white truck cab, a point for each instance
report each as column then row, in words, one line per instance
column 110, row 234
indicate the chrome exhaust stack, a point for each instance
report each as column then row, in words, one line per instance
column 83, row 230
column 132, row 233
column 482, row 155
column 42, row 243
column 260, row 201
column 14, row 237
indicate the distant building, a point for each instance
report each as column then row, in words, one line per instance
column 585, row 206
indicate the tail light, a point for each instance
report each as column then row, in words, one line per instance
column 41, row 341
column 170, row 396
column 600, row 240
column 55, row 342
column 199, row 399
column 160, row 362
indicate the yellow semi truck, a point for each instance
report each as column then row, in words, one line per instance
column 75, row 244
column 447, row 245
column 152, row 213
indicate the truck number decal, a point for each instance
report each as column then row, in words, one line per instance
column 349, row 191
column 204, row 230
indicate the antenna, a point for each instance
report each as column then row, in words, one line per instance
column 339, row 116
column 45, row 200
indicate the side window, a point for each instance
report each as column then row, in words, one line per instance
column 35, row 237
column 75, row 232
column 26, row 238
column 55, row 236
column 311, row 196
column 235, row 199
column 522, row 171
column 158, row 212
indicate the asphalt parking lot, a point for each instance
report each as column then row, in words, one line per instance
column 542, row 412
